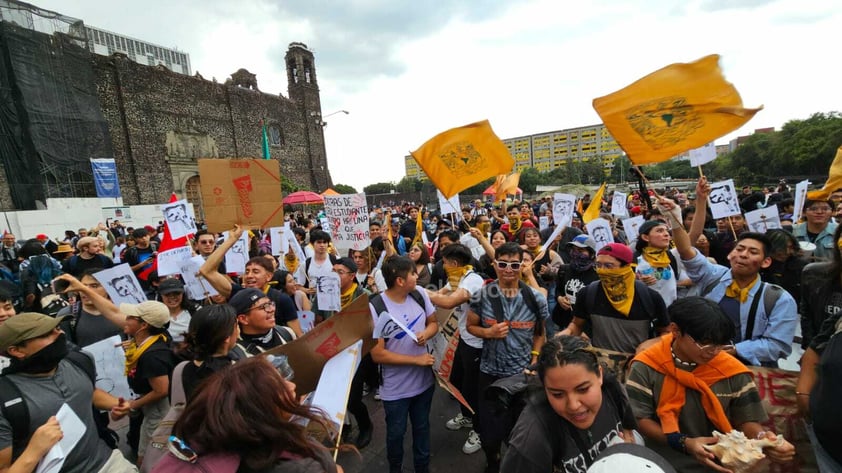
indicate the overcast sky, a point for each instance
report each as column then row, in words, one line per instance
column 406, row 70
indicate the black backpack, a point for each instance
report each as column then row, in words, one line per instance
column 771, row 294
column 379, row 306
column 528, row 298
column 16, row 412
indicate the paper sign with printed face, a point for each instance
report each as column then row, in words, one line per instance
column 723, row 199
column 196, row 287
column 121, row 284
column 237, row 256
column 762, row 220
column 180, row 218
column 600, row 230
column 800, row 200
column 631, row 226
column 563, row 207
column 618, row 205
column 327, row 292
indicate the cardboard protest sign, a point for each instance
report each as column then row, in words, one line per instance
column 563, row 207
column 169, row 261
column 600, row 230
column 121, row 284
column 241, row 191
column 618, row 204
column 309, row 353
column 180, row 218
column 762, row 220
column 348, row 217
column 723, row 199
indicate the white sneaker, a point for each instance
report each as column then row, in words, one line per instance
column 459, row 422
column 473, row 444
column 377, row 394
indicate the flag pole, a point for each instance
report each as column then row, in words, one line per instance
column 701, row 174
column 733, row 232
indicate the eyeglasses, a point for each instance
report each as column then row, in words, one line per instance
column 265, row 306
column 341, row 272
column 712, row 348
column 514, row 265
column 819, row 209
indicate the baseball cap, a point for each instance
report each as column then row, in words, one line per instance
column 348, row 263
column 583, row 241
column 169, row 286
column 153, row 313
column 618, row 250
column 648, row 225
column 26, row 326
column 41, row 236
column 630, row 458
column 245, row 298
column 149, row 228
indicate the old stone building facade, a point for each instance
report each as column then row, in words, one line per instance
column 159, row 123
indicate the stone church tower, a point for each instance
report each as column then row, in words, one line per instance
column 304, row 90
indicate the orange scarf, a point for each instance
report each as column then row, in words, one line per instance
column 722, row 366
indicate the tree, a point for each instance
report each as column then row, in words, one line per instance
column 529, row 180
column 408, row 185
column 287, row 186
column 379, row 188
column 344, row 189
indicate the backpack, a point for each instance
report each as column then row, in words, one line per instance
column 771, row 294
column 157, row 447
column 379, row 306
column 528, row 298
column 16, row 412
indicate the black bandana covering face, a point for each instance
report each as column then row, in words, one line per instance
column 43, row 361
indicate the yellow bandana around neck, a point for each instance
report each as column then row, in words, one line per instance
column 291, row 262
column 514, row 225
column 735, row 292
column 656, row 257
column 454, row 275
column 618, row 285
column 346, row 297
column 133, row 352
column 536, row 251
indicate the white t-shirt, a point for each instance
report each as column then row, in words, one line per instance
column 178, row 326
column 317, row 270
column 471, row 282
column 379, row 281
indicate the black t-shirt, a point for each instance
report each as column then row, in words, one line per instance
column 76, row 265
column 285, row 310
column 86, row 328
column 824, row 399
column 157, row 360
column 569, row 283
column 135, row 255
column 193, row 375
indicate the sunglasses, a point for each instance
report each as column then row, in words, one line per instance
column 515, row 265
column 181, row 450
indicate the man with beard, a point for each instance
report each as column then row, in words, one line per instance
column 47, row 377
column 620, row 309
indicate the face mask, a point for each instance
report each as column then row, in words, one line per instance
column 581, row 262
column 44, row 361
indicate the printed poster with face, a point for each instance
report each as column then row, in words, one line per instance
column 196, row 287
column 169, row 261
column 723, row 199
column 762, row 220
column 121, row 285
column 327, row 292
column 631, row 226
column 180, row 218
column 348, row 217
column 618, row 204
column 600, row 230
column 238, row 254
column 800, row 200
column 563, row 207
column 543, row 223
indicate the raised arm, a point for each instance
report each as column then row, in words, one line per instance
column 102, row 304
column 209, row 270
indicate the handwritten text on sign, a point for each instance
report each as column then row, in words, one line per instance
column 348, row 219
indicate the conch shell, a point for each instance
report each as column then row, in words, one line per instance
column 738, row 453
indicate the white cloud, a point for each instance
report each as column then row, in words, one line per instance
column 409, row 70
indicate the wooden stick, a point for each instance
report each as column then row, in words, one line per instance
column 701, row 174
column 730, row 222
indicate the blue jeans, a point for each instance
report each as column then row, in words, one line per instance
column 418, row 410
column 824, row 461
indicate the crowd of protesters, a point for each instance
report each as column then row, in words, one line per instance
column 715, row 300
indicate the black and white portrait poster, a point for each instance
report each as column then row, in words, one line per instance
column 121, row 285
column 618, row 204
column 600, row 230
column 723, row 199
column 327, row 292
column 236, row 257
column 563, row 207
column 180, row 218
column 631, row 227
column 762, row 220
column 800, row 200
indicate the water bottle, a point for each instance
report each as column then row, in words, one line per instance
column 645, row 269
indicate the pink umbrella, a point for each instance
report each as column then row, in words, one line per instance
column 303, row 197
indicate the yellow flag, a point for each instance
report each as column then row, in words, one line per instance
column 834, row 179
column 673, row 110
column 459, row 158
column 419, row 227
column 508, row 185
column 595, row 207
